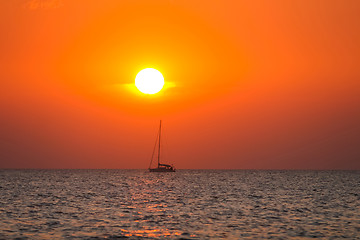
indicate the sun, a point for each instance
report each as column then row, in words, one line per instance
column 149, row 81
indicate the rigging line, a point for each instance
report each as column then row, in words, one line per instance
column 152, row 156
column 159, row 144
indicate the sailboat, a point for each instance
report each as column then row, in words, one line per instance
column 161, row 167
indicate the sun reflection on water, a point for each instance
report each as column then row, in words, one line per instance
column 150, row 233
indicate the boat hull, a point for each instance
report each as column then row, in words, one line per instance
column 161, row 170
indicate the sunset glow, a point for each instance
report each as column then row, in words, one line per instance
column 243, row 84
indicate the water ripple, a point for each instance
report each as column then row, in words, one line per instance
column 188, row 204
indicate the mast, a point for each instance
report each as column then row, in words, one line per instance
column 159, row 145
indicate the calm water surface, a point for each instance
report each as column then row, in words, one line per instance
column 188, row 204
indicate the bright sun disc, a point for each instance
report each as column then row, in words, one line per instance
column 149, row 81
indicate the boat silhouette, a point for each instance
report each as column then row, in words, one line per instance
column 161, row 167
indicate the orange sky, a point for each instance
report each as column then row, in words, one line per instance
column 250, row 84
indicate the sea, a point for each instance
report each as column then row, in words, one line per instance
column 187, row 204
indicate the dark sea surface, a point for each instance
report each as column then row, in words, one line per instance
column 187, row 204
